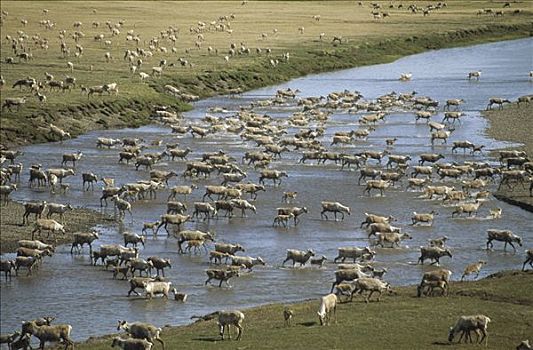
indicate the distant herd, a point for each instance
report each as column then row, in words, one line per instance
column 226, row 192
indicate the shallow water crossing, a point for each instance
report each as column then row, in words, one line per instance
column 87, row 297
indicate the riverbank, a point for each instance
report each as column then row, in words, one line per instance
column 12, row 231
column 365, row 41
column 399, row 321
column 514, row 124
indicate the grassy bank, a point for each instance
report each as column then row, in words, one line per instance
column 365, row 41
column 11, row 229
column 399, row 321
column 513, row 124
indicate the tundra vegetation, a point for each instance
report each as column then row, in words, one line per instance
column 347, row 35
column 185, row 83
column 509, row 302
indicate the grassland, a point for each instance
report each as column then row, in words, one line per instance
column 365, row 41
column 514, row 124
column 398, row 321
column 12, row 230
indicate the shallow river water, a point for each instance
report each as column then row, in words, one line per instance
column 87, row 297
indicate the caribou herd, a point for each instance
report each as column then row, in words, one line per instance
column 223, row 182
column 438, row 181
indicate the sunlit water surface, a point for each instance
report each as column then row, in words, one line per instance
column 88, row 298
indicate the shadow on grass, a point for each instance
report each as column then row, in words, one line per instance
column 209, row 339
column 308, row 324
column 442, row 343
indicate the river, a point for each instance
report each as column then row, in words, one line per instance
column 87, row 297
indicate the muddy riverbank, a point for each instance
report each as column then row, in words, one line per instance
column 513, row 124
column 12, row 230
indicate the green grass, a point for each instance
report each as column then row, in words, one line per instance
column 367, row 41
column 398, row 321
